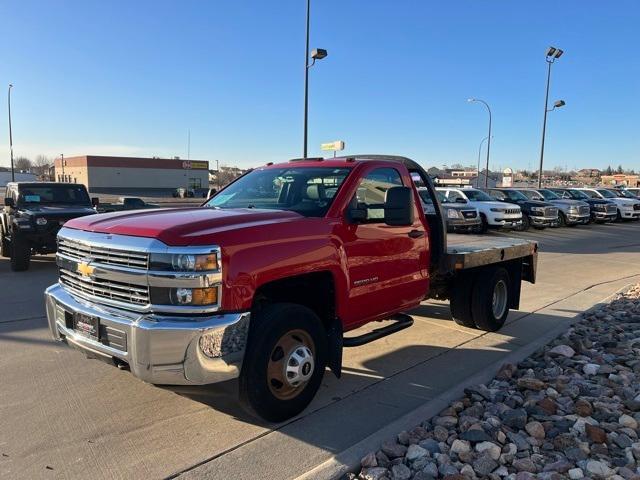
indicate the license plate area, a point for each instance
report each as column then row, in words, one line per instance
column 87, row 326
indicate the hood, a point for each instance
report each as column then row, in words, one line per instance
column 179, row 226
column 536, row 203
column 624, row 201
column 496, row 204
column 597, row 201
column 568, row 202
column 457, row 206
column 57, row 210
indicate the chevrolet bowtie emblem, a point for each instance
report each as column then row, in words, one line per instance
column 85, row 269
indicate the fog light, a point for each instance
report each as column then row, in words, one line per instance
column 184, row 296
column 195, row 296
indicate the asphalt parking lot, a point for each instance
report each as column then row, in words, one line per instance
column 64, row 416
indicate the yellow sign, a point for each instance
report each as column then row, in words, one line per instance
column 85, row 269
column 194, row 165
column 337, row 145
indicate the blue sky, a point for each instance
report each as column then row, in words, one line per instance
column 132, row 77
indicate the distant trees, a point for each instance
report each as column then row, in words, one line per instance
column 22, row 164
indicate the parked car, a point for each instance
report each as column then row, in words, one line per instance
column 535, row 213
column 265, row 280
column 124, row 203
column 33, row 213
column 634, row 191
column 624, row 193
column 459, row 217
column 601, row 210
column 493, row 214
column 627, row 208
column 570, row 212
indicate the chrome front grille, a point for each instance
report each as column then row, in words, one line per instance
column 584, row 210
column 469, row 213
column 612, row 208
column 636, row 206
column 108, row 256
column 512, row 211
column 107, row 289
column 550, row 212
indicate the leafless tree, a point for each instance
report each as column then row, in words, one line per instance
column 22, row 164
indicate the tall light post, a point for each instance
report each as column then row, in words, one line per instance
column 479, row 151
column 486, row 176
column 62, row 165
column 552, row 55
column 13, row 175
column 316, row 54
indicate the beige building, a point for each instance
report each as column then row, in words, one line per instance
column 621, row 179
column 133, row 175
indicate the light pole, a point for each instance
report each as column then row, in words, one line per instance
column 13, row 175
column 316, row 54
column 552, row 55
column 62, row 165
column 486, row 175
column 479, row 151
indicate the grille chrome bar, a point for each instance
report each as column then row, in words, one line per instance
column 109, row 256
column 111, row 290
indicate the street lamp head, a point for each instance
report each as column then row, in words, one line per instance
column 558, row 53
column 551, row 52
column 471, row 99
column 559, row 103
column 318, row 53
column 11, row 85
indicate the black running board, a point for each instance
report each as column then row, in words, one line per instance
column 401, row 321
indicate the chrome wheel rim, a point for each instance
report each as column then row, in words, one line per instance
column 291, row 364
column 499, row 301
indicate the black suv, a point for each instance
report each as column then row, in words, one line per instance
column 534, row 213
column 33, row 213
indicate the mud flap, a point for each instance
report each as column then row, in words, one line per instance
column 335, row 343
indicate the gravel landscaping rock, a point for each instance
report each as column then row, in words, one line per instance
column 570, row 411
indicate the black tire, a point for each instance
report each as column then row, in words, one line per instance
column 526, row 223
column 484, row 225
column 272, row 324
column 482, row 299
column 618, row 216
column 562, row 220
column 20, row 255
column 5, row 246
column 460, row 301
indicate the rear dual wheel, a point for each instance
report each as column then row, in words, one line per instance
column 284, row 361
column 481, row 299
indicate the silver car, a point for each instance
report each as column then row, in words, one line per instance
column 570, row 212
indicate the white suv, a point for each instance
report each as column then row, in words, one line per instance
column 492, row 213
column 628, row 208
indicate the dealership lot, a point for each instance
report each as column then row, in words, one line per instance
column 65, row 416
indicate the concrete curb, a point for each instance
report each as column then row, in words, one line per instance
column 349, row 460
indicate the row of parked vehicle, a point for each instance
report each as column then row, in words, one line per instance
column 477, row 210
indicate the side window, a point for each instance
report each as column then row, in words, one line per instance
column 453, row 196
column 497, row 195
column 373, row 189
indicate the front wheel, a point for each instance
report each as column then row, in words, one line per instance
column 562, row 220
column 284, row 362
column 484, row 225
column 5, row 246
column 490, row 299
column 526, row 222
column 20, row 255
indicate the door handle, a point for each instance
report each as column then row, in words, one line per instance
column 416, row 233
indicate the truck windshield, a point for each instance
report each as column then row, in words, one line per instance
column 578, row 195
column 607, row 193
column 308, row 191
column 478, row 196
column 548, row 195
column 514, row 195
column 53, row 194
column 626, row 194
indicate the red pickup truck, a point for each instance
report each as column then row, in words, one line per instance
column 265, row 280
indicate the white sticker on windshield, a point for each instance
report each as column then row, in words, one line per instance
column 32, row 198
column 222, row 198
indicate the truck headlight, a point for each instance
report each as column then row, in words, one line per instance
column 451, row 213
column 41, row 221
column 185, row 262
column 537, row 210
column 194, row 296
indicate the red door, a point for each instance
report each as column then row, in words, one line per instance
column 387, row 265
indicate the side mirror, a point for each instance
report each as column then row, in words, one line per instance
column 398, row 207
column 95, row 201
column 460, row 200
column 8, row 202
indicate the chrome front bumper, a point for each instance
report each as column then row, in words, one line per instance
column 160, row 350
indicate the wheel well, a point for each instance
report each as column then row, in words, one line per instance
column 315, row 291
